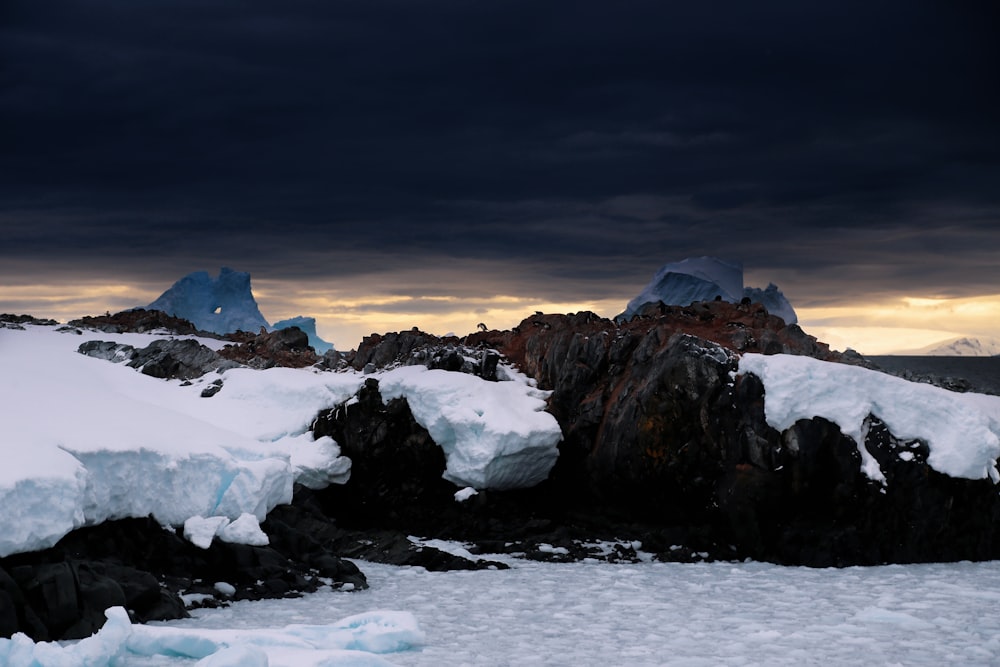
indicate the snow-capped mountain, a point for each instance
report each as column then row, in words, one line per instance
column 222, row 305
column 705, row 279
column 961, row 347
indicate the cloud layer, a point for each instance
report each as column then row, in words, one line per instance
column 559, row 152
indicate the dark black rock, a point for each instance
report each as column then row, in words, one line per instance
column 107, row 350
column 665, row 444
column 183, row 359
column 62, row 592
column 396, row 467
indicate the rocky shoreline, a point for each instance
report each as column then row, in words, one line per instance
column 666, row 454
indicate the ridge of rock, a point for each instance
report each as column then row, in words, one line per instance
column 664, row 438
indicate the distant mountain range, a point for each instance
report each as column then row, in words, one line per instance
column 959, row 347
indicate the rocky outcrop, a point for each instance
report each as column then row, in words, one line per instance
column 11, row 321
column 396, row 467
column 62, row 592
column 414, row 347
column 665, row 443
column 183, row 359
column 288, row 348
column 140, row 320
column 186, row 358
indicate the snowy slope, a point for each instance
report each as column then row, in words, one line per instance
column 85, row 440
column 961, row 347
column 961, row 430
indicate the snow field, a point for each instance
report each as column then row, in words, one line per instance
column 85, row 440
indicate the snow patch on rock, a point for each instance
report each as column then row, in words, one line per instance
column 962, row 431
column 494, row 434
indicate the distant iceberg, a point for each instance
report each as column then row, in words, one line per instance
column 221, row 305
column 706, row 279
column 307, row 325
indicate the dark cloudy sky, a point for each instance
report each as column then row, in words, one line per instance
column 409, row 160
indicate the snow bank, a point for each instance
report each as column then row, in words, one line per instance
column 494, row 434
column 962, row 431
column 84, row 440
column 351, row 641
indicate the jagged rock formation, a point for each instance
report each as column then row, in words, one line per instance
column 140, row 320
column 663, row 438
column 183, row 359
column 286, row 347
column 417, row 347
column 187, row 358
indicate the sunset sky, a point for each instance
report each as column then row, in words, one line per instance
column 387, row 164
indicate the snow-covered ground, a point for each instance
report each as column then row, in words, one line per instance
column 85, row 440
column 657, row 614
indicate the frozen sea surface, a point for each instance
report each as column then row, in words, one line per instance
column 669, row 614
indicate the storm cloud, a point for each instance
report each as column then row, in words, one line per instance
column 835, row 148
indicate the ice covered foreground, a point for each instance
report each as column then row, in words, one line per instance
column 85, row 440
column 705, row 279
column 355, row 640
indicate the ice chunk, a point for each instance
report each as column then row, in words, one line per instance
column 494, row 434
column 244, row 530
column 200, row 531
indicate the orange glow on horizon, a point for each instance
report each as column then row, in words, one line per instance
column 345, row 316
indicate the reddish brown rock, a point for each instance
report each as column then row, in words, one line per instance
column 286, row 347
